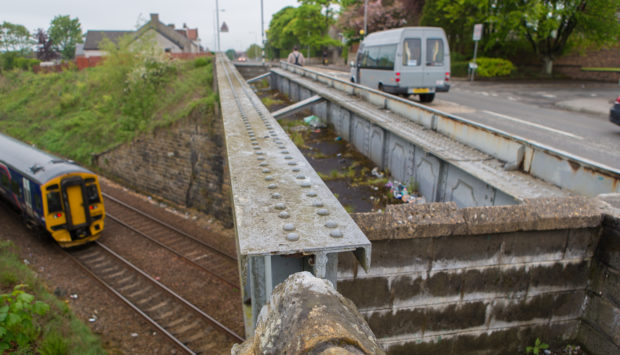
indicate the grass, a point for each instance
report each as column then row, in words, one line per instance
column 78, row 113
column 60, row 331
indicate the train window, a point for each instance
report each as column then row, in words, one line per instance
column 15, row 187
column 53, row 187
column 53, row 202
column 92, row 194
column 4, row 179
column 37, row 203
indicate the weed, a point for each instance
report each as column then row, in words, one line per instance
column 298, row 139
column 17, row 311
column 53, row 344
column 538, row 346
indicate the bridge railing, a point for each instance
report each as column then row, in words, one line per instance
column 549, row 164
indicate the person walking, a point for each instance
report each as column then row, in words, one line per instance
column 296, row 57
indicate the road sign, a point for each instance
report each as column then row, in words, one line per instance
column 224, row 27
column 477, row 31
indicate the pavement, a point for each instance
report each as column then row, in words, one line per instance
column 596, row 106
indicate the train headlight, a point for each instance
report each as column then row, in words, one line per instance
column 58, row 215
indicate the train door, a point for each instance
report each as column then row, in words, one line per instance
column 27, row 196
column 73, row 196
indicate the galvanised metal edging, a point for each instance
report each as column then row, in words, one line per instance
column 560, row 168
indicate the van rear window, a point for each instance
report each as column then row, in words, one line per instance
column 434, row 52
column 412, row 51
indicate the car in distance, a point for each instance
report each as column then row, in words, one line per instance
column 614, row 112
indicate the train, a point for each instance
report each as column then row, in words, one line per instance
column 51, row 193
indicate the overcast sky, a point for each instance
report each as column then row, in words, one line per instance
column 241, row 16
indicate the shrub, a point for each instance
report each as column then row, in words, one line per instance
column 459, row 68
column 201, row 62
column 492, row 67
column 17, row 309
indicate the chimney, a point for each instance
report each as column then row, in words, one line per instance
column 154, row 18
column 184, row 25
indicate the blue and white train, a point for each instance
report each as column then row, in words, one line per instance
column 52, row 193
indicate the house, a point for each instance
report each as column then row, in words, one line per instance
column 169, row 39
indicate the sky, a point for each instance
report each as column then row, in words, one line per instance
column 241, row 16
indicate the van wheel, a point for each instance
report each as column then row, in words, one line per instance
column 427, row 97
column 381, row 87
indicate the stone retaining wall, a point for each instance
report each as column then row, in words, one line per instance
column 183, row 163
column 600, row 326
column 475, row 280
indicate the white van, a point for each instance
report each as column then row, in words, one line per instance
column 404, row 61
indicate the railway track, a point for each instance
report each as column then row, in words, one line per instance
column 191, row 329
column 216, row 262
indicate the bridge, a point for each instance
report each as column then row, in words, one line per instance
column 506, row 247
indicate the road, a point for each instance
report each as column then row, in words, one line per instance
column 564, row 115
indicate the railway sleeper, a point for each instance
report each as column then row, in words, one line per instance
column 145, row 300
column 139, row 292
column 187, row 327
column 177, row 321
column 157, row 307
column 128, row 287
column 117, row 274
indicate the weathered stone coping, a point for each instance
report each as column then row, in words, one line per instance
column 408, row 221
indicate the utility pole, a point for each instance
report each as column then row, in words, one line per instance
column 365, row 17
column 262, row 32
column 217, row 19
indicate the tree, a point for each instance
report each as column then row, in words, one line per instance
column 231, row 54
column 65, row 34
column 254, row 51
column 546, row 25
column 15, row 38
column 44, row 47
column 303, row 26
column 379, row 17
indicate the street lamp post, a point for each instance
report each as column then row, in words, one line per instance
column 262, row 32
column 217, row 20
column 365, row 17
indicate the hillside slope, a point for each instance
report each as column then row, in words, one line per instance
column 78, row 113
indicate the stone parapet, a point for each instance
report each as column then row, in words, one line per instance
column 457, row 281
column 306, row 315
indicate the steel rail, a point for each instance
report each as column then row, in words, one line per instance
column 193, row 263
column 223, row 253
column 176, row 296
column 128, row 303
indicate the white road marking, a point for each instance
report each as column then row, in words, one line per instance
column 532, row 124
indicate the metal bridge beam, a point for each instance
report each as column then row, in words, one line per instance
column 286, row 218
column 288, row 110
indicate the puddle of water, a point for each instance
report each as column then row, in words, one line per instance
column 347, row 172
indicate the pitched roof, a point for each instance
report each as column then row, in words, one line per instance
column 93, row 38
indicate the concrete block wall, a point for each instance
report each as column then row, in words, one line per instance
column 600, row 326
column 184, row 163
column 474, row 280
